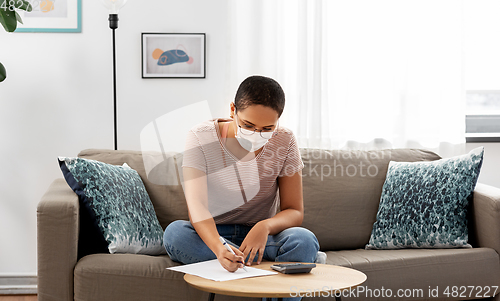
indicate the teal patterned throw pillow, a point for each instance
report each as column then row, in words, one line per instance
column 424, row 204
column 118, row 203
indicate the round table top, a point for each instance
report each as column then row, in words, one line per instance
column 324, row 279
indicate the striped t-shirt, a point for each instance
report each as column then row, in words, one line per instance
column 241, row 192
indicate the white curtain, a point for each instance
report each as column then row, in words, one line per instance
column 357, row 74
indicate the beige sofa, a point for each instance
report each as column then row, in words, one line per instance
column 341, row 197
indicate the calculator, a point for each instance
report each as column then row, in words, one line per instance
column 293, row 268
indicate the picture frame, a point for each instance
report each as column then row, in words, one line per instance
column 173, row 55
column 52, row 16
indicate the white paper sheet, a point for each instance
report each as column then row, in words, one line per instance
column 212, row 270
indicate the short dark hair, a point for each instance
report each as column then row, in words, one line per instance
column 260, row 90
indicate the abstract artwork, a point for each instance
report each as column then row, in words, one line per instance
column 52, row 16
column 173, row 55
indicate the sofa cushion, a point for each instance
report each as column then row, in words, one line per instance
column 119, row 204
column 422, row 271
column 342, row 190
column 424, row 204
column 168, row 200
column 131, row 277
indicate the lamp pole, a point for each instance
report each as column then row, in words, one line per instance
column 113, row 7
column 113, row 24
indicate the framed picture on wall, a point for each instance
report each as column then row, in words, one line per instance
column 52, row 16
column 173, row 55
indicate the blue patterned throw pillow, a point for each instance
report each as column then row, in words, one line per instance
column 424, row 204
column 118, row 203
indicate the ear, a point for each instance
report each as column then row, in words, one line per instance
column 233, row 109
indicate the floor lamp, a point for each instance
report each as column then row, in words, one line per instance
column 114, row 7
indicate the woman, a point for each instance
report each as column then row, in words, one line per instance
column 232, row 170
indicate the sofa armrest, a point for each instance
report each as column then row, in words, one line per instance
column 485, row 216
column 57, row 236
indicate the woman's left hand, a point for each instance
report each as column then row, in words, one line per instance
column 254, row 242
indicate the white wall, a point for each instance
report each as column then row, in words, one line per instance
column 57, row 100
column 490, row 171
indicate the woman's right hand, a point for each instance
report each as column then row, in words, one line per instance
column 228, row 260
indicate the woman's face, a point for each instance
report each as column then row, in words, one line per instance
column 259, row 116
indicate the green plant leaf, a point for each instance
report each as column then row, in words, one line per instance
column 18, row 18
column 3, row 73
column 7, row 17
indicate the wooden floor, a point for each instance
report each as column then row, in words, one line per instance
column 18, row 298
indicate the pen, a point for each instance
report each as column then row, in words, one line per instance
column 223, row 241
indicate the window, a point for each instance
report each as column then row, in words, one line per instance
column 481, row 70
column 483, row 116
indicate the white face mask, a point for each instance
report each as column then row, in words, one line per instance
column 251, row 142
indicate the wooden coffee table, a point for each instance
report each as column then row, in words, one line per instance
column 324, row 279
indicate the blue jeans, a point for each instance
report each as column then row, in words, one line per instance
column 183, row 244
